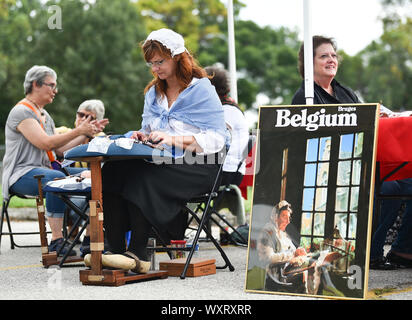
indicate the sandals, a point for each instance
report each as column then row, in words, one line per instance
column 125, row 261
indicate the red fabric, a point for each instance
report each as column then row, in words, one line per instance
column 248, row 177
column 394, row 146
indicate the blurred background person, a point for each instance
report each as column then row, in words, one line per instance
column 94, row 111
column 237, row 124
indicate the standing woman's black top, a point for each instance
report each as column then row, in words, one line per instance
column 341, row 95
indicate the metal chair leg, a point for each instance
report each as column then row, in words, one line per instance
column 5, row 214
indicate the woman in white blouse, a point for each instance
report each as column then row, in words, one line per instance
column 183, row 114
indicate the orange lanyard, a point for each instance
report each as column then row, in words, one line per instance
column 49, row 153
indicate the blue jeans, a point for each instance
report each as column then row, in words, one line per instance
column 388, row 215
column 27, row 185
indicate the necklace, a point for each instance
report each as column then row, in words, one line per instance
column 36, row 105
column 172, row 98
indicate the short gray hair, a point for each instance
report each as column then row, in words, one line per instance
column 38, row 74
column 95, row 106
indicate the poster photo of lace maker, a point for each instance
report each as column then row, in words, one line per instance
column 312, row 201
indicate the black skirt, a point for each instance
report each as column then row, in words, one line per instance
column 160, row 191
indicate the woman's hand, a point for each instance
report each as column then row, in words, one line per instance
column 100, row 124
column 87, row 128
column 300, row 252
column 137, row 135
column 157, row 137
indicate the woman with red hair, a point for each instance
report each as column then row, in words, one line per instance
column 182, row 114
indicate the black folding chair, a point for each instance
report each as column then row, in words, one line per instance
column 204, row 220
column 202, row 223
column 11, row 233
column 214, row 215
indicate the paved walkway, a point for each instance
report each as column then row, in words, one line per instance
column 23, row 277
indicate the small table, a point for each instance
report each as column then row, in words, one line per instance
column 96, row 275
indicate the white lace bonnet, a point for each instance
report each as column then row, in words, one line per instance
column 170, row 39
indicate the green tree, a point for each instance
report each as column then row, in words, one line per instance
column 16, row 28
column 178, row 15
column 266, row 61
column 382, row 72
column 96, row 55
column 387, row 75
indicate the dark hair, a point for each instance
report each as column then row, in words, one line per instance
column 219, row 79
column 317, row 41
column 187, row 67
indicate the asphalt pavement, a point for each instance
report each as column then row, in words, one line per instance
column 23, row 277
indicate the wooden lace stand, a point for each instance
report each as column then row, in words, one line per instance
column 48, row 258
column 96, row 275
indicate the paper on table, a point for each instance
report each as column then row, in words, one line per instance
column 100, row 145
column 125, row 143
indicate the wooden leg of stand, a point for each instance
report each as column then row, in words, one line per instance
column 96, row 223
column 42, row 226
column 40, row 215
column 96, row 244
column 47, row 258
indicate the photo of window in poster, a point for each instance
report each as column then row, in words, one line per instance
column 312, row 200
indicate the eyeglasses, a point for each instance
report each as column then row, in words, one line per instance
column 53, row 86
column 155, row 63
column 81, row 115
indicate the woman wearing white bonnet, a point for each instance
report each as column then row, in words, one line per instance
column 183, row 114
column 170, row 39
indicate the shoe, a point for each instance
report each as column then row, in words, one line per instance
column 398, row 260
column 55, row 245
column 85, row 247
column 381, row 263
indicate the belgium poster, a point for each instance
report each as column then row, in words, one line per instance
column 313, row 200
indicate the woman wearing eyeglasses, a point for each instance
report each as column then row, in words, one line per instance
column 183, row 114
column 32, row 146
column 89, row 110
column 327, row 90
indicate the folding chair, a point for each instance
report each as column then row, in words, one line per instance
column 5, row 214
column 67, row 189
column 203, row 221
column 217, row 200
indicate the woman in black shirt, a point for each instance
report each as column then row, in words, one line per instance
column 325, row 66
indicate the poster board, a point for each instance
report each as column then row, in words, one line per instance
column 320, row 159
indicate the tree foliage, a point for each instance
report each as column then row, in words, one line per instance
column 382, row 72
column 96, row 55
